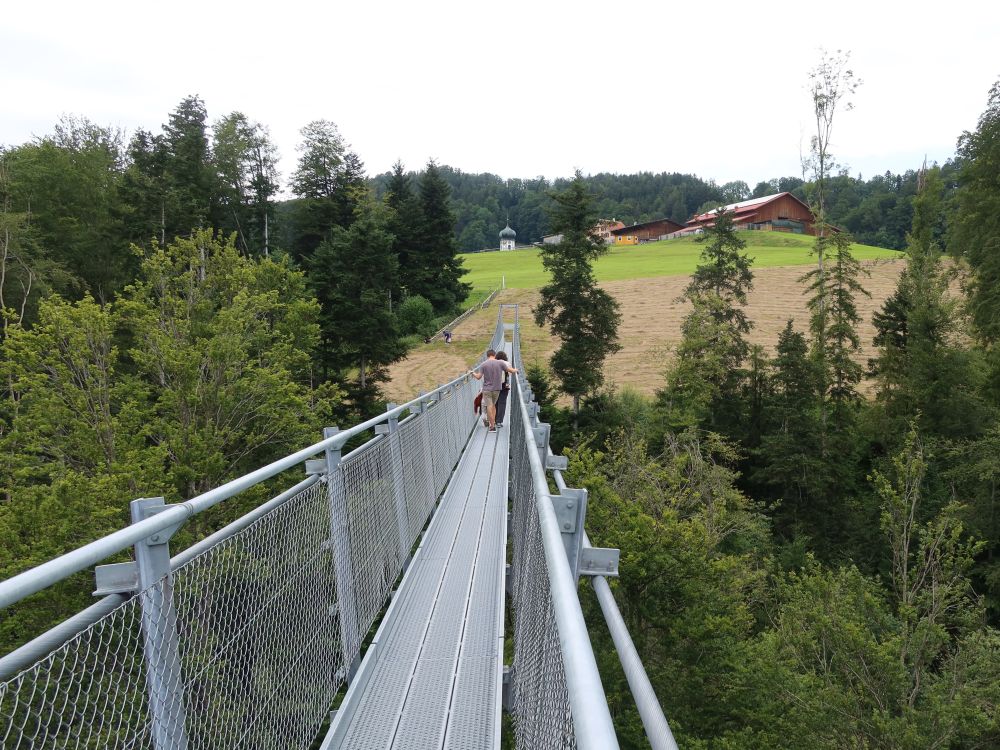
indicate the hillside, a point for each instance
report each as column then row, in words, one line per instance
column 651, row 309
column 522, row 269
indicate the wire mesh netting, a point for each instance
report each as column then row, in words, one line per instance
column 225, row 664
column 248, row 642
column 542, row 717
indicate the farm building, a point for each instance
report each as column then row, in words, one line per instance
column 648, row 231
column 603, row 230
column 772, row 213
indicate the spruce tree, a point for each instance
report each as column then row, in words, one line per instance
column 404, row 213
column 789, row 457
column 352, row 274
column 191, row 200
column 435, row 271
column 707, row 383
column 923, row 371
column 724, row 271
column 315, row 182
column 582, row 316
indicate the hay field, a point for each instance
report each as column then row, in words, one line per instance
column 651, row 323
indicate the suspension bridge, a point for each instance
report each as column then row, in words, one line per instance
column 405, row 594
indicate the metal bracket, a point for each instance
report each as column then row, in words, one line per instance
column 599, row 561
column 507, row 696
column 116, row 578
column 556, row 463
column 315, row 466
column 382, row 429
column 567, row 506
column 541, row 433
column 162, row 536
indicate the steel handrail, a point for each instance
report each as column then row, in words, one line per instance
column 588, row 702
column 28, row 653
column 42, row 576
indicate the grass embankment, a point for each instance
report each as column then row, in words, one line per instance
column 522, row 269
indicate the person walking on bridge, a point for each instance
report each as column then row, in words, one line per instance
column 491, row 372
column 504, row 391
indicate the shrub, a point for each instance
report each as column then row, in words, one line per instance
column 416, row 316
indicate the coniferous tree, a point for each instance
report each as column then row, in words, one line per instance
column 351, row 189
column 835, row 319
column 144, row 190
column 404, row 220
column 976, row 228
column 923, row 372
column 314, row 182
column 789, row 462
column 706, row 385
column 352, row 274
column 190, row 182
column 436, row 270
column 724, row 271
column 582, row 316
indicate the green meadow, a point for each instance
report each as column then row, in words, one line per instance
column 522, row 269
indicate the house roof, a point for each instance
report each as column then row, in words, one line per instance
column 741, row 209
column 625, row 230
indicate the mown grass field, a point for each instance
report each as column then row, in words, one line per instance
column 522, row 269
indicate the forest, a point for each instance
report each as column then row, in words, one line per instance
column 877, row 211
column 809, row 543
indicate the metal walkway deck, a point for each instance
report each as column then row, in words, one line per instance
column 432, row 676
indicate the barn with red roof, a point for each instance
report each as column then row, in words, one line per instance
column 782, row 212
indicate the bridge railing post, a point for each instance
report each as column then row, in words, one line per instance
column 164, row 682
column 425, row 442
column 398, row 490
column 340, row 549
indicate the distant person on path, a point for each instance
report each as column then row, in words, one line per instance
column 504, row 392
column 491, row 372
column 447, row 336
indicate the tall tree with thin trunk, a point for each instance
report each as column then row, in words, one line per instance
column 831, row 85
column 246, row 169
column 583, row 317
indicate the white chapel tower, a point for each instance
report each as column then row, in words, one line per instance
column 507, row 237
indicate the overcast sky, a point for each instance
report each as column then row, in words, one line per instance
column 519, row 89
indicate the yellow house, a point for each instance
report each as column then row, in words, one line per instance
column 626, row 239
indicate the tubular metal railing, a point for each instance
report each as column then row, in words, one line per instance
column 650, row 712
column 245, row 638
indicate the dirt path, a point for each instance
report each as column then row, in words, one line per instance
column 650, row 327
